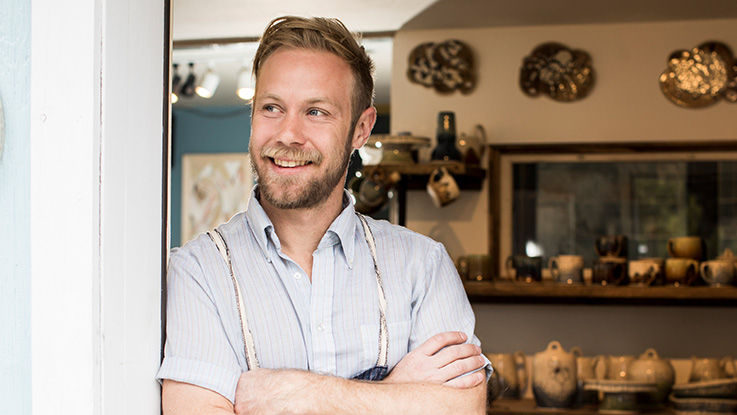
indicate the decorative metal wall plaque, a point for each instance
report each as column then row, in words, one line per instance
column 699, row 77
column 446, row 66
column 555, row 70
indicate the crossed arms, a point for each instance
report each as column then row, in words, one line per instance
column 426, row 381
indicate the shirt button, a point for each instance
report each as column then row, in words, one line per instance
column 321, row 327
column 297, row 275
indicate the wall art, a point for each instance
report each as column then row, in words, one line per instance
column 701, row 76
column 555, row 70
column 446, row 66
column 214, row 188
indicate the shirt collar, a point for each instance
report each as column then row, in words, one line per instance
column 344, row 228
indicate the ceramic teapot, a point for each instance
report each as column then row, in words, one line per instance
column 554, row 377
column 649, row 367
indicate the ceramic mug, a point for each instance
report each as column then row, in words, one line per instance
column 442, row 187
column 718, row 272
column 681, row 271
column 710, row 368
column 617, row 367
column 692, row 247
column 585, row 370
column 512, row 370
column 567, row 269
column 479, row 267
column 647, row 271
column 611, row 246
column 528, row 269
column 608, row 272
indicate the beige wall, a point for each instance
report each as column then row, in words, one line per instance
column 625, row 105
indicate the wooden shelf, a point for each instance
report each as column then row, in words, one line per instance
column 415, row 176
column 528, row 407
column 552, row 293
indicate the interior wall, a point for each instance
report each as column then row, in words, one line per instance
column 15, row 277
column 203, row 130
column 625, row 105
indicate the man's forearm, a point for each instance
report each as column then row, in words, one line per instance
column 299, row 392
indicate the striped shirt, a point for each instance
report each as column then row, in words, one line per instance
column 329, row 325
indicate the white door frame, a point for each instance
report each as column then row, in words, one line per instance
column 98, row 128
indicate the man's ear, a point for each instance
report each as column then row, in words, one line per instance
column 364, row 125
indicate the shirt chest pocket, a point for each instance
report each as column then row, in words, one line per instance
column 398, row 343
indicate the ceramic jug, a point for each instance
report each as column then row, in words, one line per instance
column 554, row 377
column 649, row 367
column 512, row 372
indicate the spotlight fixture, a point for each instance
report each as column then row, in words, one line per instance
column 245, row 89
column 209, row 84
column 189, row 84
column 176, row 80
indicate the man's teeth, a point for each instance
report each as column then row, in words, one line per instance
column 289, row 163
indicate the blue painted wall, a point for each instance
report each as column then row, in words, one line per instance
column 203, row 130
column 15, row 172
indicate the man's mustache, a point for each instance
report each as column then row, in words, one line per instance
column 283, row 152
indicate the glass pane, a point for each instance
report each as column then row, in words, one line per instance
column 562, row 207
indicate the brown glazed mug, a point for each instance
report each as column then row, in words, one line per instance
column 528, row 269
column 646, row 271
column 566, row 269
column 692, row 247
column 609, row 272
column 611, row 246
column 681, row 271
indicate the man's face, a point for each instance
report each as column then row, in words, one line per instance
column 301, row 135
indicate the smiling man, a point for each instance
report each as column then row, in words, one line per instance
column 299, row 305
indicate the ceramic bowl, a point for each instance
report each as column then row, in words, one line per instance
column 719, row 388
column 703, row 405
column 622, row 397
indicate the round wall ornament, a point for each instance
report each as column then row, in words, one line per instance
column 555, row 70
column 446, row 66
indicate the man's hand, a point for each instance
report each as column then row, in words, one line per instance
column 440, row 360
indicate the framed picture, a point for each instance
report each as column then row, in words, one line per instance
column 214, row 188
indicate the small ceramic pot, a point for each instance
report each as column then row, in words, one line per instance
column 718, row 272
column 710, row 368
column 554, row 377
column 649, row 367
column 692, row 247
column 512, row 372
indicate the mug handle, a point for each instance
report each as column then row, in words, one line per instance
column 651, row 275
column 553, row 266
column 622, row 274
column 600, row 374
column 728, row 361
column 520, row 361
column 691, row 274
column 706, row 273
column 670, row 248
column 597, row 247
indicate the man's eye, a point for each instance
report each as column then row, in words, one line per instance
column 270, row 108
column 316, row 112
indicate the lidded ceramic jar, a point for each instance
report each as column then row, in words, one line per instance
column 554, row 377
column 649, row 367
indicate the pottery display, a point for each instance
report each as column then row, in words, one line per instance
column 611, row 246
column 622, row 397
column 692, row 247
column 720, row 388
column 681, row 271
column 710, row 368
column 649, row 367
column 718, row 272
column 646, row 271
column 554, row 377
column 567, row 269
column 512, row 371
column 585, row 370
column 527, row 269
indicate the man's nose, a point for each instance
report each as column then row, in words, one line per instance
column 292, row 130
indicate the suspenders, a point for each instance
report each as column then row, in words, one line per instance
column 251, row 359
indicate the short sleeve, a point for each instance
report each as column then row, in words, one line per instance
column 197, row 349
column 440, row 303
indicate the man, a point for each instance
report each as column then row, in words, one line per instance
column 302, row 301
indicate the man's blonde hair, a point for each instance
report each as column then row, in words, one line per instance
column 321, row 34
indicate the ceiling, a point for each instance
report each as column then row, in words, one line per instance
column 212, row 19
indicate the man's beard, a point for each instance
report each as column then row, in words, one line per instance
column 308, row 195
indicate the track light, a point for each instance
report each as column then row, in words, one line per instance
column 189, row 84
column 208, row 85
column 176, row 80
column 245, row 85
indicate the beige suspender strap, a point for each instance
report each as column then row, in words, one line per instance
column 383, row 331
column 251, row 359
